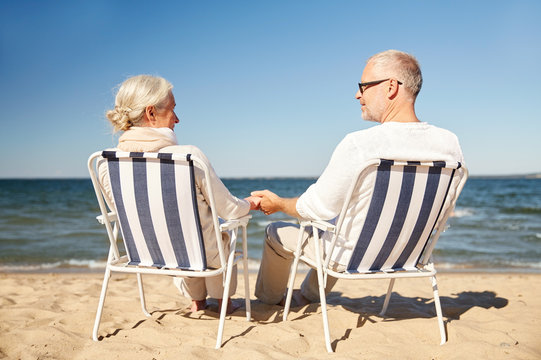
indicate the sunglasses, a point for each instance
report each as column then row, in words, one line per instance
column 363, row 86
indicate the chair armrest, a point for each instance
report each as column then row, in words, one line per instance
column 235, row 223
column 111, row 215
column 319, row 224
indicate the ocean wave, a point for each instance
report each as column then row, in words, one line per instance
column 526, row 210
column 528, row 265
column 254, row 264
column 264, row 223
column 502, row 266
column 462, row 212
column 68, row 264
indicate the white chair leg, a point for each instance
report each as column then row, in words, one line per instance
column 290, row 284
column 387, row 298
column 223, row 312
column 142, row 294
column 323, row 300
column 225, row 296
column 292, row 275
column 246, row 275
column 322, row 295
column 438, row 310
column 100, row 304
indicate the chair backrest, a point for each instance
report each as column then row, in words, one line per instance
column 409, row 201
column 156, row 205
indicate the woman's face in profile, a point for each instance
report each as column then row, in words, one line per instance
column 166, row 117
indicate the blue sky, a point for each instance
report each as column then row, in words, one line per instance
column 264, row 88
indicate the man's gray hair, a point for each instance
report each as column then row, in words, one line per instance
column 400, row 65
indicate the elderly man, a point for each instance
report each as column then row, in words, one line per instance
column 389, row 86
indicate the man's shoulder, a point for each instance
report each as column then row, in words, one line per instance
column 437, row 128
column 392, row 132
column 362, row 135
column 439, row 131
column 392, row 127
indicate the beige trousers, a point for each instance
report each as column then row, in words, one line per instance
column 199, row 288
column 280, row 243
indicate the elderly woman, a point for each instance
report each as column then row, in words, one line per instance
column 145, row 112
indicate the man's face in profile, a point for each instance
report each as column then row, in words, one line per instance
column 372, row 99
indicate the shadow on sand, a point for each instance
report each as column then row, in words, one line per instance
column 368, row 308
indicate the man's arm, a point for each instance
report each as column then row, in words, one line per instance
column 271, row 203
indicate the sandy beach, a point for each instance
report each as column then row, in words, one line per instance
column 487, row 316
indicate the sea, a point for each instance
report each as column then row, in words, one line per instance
column 49, row 225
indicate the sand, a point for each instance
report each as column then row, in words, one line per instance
column 487, row 316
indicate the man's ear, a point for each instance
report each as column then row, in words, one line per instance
column 393, row 89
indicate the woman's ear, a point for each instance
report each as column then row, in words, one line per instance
column 150, row 114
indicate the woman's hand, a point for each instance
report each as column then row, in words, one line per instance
column 254, row 202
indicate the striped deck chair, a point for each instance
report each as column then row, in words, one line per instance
column 409, row 205
column 155, row 209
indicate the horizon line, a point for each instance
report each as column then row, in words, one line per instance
column 533, row 175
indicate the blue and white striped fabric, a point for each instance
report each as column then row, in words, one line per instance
column 406, row 204
column 156, row 203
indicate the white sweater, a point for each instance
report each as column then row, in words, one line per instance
column 396, row 141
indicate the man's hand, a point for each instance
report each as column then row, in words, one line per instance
column 271, row 203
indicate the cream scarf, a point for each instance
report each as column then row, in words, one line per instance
column 146, row 139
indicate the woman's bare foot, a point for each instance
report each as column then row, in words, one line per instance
column 231, row 306
column 198, row 305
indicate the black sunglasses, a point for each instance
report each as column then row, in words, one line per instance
column 362, row 86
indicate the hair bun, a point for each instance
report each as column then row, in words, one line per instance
column 123, row 110
column 120, row 118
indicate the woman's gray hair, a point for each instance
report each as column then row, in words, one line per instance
column 400, row 65
column 132, row 98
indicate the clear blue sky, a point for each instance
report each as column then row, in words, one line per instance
column 264, row 88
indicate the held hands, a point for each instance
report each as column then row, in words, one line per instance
column 254, row 202
column 269, row 202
